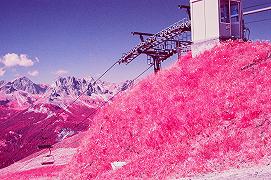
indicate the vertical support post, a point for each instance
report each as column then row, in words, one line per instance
column 179, row 49
column 157, row 64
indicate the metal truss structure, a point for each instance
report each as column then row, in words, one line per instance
column 162, row 45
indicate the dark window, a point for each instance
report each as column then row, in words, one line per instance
column 234, row 11
column 224, row 10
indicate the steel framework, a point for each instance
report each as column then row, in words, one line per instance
column 162, row 45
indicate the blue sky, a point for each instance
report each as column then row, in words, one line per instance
column 84, row 37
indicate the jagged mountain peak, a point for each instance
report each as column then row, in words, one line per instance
column 71, row 85
column 22, row 78
column 23, row 84
column 23, row 81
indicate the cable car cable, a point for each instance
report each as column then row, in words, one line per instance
column 63, row 110
column 57, row 115
column 104, row 103
column 97, row 108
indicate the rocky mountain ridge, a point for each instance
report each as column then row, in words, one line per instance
column 21, row 84
column 61, row 88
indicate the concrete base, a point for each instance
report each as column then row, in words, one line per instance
column 199, row 47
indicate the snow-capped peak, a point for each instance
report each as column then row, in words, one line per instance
column 22, row 84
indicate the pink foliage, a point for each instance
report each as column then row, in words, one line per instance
column 204, row 114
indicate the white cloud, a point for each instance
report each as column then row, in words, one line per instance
column 12, row 59
column 25, row 61
column 2, row 72
column 33, row 73
column 61, row 72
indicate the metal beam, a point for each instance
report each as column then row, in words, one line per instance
column 142, row 33
column 257, row 11
column 187, row 10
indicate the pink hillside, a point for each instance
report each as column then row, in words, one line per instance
column 204, row 114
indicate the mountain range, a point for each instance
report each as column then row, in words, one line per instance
column 26, row 108
column 63, row 87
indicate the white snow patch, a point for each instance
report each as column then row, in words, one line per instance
column 41, row 109
column 86, row 104
column 50, row 114
column 64, row 108
column 3, row 143
column 117, row 164
column 19, row 98
column 65, row 132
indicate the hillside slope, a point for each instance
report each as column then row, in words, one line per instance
column 205, row 114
